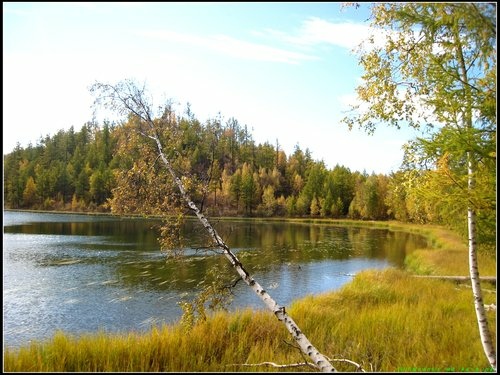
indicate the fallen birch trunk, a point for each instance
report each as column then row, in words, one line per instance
column 490, row 279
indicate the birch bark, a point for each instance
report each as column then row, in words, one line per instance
column 482, row 319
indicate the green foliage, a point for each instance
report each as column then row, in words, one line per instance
column 171, row 238
column 29, row 193
column 435, row 70
column 269, row 205
column 314, row 209
column 215, row 294
column 58, row 168
column 249, row 188
column 12, row 182
column 445, row 189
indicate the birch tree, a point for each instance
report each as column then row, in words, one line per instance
column 436, row 71
column 146, row 189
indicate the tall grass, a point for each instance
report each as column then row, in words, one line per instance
column 390, row 321
column 213, row 345
column 385, row 320
column 448, row 255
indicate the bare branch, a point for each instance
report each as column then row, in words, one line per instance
column 359, row 368
column 271, row 364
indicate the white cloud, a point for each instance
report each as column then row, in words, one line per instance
column 231, row 46
column 315, row 31
column 347, row 35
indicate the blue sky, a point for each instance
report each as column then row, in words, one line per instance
column 285, row 70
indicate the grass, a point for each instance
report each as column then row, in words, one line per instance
column 388, row 321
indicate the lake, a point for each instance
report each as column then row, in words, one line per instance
column 83, row 273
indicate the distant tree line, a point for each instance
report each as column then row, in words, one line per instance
column 83, row 171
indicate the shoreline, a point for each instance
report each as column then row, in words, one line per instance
column 389, row 224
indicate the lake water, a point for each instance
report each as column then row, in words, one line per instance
column 84, row 273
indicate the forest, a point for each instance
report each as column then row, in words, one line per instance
column 81, row 170
column 78, row 171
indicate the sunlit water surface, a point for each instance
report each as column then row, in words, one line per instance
column 84, row 273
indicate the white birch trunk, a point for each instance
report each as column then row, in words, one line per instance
column 482, row 319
